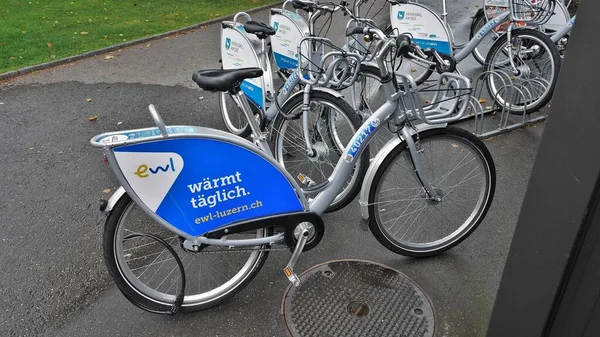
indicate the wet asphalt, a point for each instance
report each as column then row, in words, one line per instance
column 53, row 280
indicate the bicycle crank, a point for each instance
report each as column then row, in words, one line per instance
column 306, row 236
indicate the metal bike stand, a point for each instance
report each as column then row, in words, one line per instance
column 490, row 118
column 356, row 298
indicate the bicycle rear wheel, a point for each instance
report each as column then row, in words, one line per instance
column 233, row 116
column 537, row 63
column 148, row 275
column 332, row 124
column 459, row 167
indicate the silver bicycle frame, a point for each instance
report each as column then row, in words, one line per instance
column 564, row 31
column 483, row 32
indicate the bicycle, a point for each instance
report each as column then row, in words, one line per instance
column 527, row 56
column 225, row 218
column 332, row 121
column 557, row 28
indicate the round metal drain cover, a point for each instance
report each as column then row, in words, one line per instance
column 356, row 298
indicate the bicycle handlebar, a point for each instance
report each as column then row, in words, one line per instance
column 402, row 41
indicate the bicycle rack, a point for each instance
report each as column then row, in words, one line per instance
column 491, row 118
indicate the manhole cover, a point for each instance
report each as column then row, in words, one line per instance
column 356, row 298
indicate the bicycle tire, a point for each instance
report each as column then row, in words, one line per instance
column 538, row 85
column 231, row 113
column 289, row 144
column 160, row 301
column 448, row 141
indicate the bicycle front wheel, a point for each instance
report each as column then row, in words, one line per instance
column 332, row 124
column 148, row 275
column 408, row 222
column 536, row 65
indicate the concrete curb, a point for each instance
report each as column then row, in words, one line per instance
column 42, row 66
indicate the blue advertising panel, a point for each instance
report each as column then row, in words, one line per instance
column 198, row 185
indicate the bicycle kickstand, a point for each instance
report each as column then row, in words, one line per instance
column 289, row 268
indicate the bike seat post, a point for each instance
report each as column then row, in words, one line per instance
column 259, row 137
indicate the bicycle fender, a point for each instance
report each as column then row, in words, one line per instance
column 321, row 89
column 376, row 162
column 114, row 198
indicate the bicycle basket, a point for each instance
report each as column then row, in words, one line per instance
column 536, row 12
column 323, row 63
column 445, row 103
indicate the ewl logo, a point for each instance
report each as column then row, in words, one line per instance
column 401, row 15
column 150, row 174
column 227, row 43
column 276, row 25
column 142, row 170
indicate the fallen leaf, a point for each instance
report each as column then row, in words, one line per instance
column 109, row 57
column 148, row 45
column 93, row 118
column 84, row 33
column 88, row 99
column 203, row 27
column 106, row 190
column 482, row 100
column 49, row 45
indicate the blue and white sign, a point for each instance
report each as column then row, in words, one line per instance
column 238, row 51
column 426, row 27
column 290, row 29
column 198, row 185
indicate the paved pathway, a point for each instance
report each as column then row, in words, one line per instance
column 53, row 278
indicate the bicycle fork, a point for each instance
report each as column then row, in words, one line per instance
column 430, row 191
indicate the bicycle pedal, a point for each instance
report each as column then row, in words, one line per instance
column 292, row 277
column 305, row 180
column 289, row 269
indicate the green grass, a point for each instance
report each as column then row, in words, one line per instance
column 33, row 32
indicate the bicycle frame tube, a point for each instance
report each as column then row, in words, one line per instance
column 355, row 148
column 483, row 32
column 259, row 137
column 347, row 161
column 564, row 31
column 282, row 96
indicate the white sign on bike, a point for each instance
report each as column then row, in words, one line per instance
column 290, row 29
column 426, row 27
column 237, row 51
